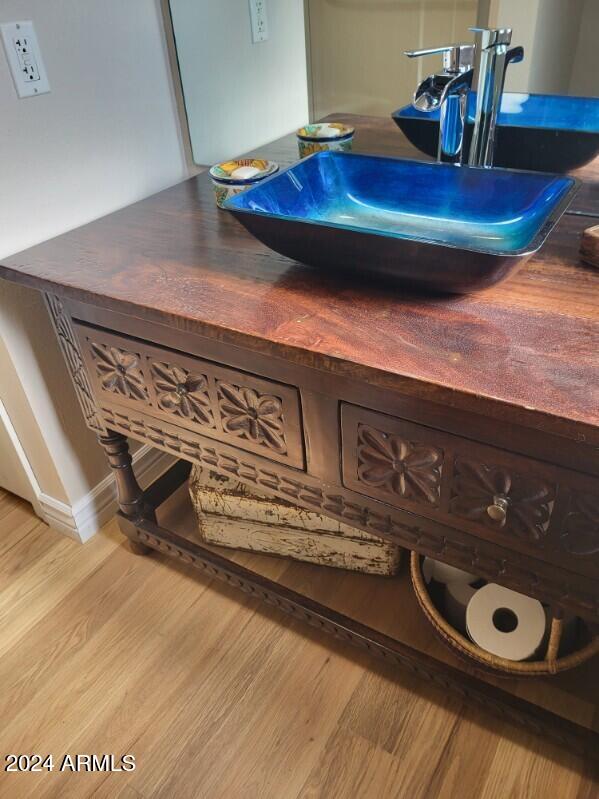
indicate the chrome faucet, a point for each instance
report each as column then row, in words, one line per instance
column 448, row 91
column 494, row 60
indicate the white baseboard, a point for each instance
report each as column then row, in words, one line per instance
column 83, row 519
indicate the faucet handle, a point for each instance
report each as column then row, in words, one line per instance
column 491, row 37
column 457, row 58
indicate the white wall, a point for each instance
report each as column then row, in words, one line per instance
column 560, row 44
column 555, row 43
column 107, row 135
column 585, row 69
column 240, row 95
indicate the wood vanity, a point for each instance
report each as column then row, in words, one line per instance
column 465, row 428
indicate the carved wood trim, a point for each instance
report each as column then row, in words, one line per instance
column 119, row 371
column 75, row 364
column 527, row 501
column 562, row 589
column 181, row 392
column 404, row 468
column 580, row 528
column 487, row 492
column 253, row 413
column 248, row 414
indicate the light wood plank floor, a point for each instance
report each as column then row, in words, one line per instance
column 104, row 652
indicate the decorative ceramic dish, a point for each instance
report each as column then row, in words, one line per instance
column 233, row 177
column 324, row 136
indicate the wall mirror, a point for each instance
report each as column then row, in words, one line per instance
column 325, row 56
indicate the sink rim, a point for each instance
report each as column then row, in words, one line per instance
column 409, row 112
column 235, row 205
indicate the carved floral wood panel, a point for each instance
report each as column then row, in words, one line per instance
column 119, row 371
column 390, row 462
column 182, row 393
column 580, row 529
column 75, row 364
column 247, row 414
column 477, row 488
column 252, row 412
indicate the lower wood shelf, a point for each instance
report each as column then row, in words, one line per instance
column 380, row 615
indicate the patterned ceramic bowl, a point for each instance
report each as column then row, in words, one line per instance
column 233, row 177
column 324, row 136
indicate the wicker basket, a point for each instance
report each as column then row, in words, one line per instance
column 551, row 664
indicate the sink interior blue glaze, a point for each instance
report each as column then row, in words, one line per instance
column 546, row 132
column 377, row 215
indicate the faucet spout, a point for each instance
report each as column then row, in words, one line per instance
column 495, row 58
column 447, row 92
column 449, row 95
column 436, row 89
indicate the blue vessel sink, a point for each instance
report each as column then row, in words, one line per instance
column 545, row 132
column 435, row 227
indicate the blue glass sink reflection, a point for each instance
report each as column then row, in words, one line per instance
column 544, row 132
column 434, row 226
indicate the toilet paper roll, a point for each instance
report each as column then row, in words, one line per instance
column 505, row 623
column 456, row 597
column 444, row 573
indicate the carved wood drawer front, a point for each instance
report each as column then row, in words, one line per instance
column 252, row 413
column 531, row 506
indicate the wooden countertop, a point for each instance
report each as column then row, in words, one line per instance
column 526, row 351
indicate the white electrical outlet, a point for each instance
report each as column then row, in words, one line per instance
column 259, row 20
column 24, row 58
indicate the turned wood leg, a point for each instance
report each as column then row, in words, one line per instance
column 130, row 496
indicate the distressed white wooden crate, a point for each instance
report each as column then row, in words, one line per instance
column 231, row 515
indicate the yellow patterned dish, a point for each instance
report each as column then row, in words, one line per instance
column 233, row 177
column 324, row 136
